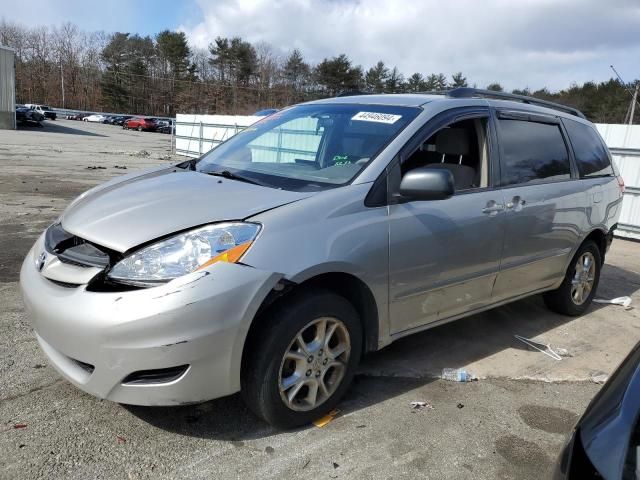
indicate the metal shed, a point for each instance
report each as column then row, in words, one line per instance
column 7, row 88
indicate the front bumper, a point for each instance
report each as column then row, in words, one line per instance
column 200, row 320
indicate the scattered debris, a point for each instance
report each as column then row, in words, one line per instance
column 420, row 405
column 305, row 465
column 457, row 375
column 269, row 450
column 96, row 167
column 541, row 347
column 120, row 439
column 22, row 445
column 361, row 426
column 335, row 465
column 140, row 153
column 39, row 365
column 600, row 378
column 322, row 422
column 622, row 301
column 121, row 167
column 20, row 425
column 461, row 405
column 563, row 352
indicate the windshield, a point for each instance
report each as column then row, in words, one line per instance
column 309, row 147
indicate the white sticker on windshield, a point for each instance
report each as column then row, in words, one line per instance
column 376, row 117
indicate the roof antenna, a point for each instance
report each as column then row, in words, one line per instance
column 634, row 96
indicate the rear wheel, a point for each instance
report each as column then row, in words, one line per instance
column 300, row 365
column 139, row 128
column 580, row 283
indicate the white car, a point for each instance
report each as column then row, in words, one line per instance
column 94, row 118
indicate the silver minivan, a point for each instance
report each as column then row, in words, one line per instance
column 327, row 230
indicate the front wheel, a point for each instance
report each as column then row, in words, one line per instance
column 303, row 360
column 139, row 128
column 580, row 283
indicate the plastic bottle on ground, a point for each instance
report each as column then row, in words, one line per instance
column 457, row 375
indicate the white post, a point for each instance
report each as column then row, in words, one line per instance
column 200, row 139
column 173, row 128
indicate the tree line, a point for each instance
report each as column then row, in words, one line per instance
column 164, row 74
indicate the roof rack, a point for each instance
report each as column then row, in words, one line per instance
column 352, row 93
column 467, row 92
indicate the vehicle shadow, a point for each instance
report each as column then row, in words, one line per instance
column 54, row 126
column 407, row 364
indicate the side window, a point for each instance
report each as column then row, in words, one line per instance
column 461, row 148
column 298, row 139
column 532, row 152
column 591, row 155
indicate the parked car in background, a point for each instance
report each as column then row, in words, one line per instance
column 120, row 119
column 27, row 115
column 95, row 118
column 46, row 111
column 74, row 116
column 605, row 443
column 164, row 126
column 108, row 119
column 265, row 112
column 274, row 262
column 147, row 124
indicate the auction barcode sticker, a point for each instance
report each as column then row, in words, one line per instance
column 376, row 117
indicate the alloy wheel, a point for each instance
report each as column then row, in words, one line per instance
column 583, row 278
column 314, row 364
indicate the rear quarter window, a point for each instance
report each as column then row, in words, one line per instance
column 592, row 157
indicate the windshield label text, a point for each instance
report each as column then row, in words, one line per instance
column 376, row 117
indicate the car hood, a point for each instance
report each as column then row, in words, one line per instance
column 134, row 209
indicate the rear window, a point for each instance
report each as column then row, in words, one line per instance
column 532, row 152
column 591, row 155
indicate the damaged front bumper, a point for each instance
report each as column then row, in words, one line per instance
column 192, row 328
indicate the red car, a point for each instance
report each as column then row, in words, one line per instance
column 140, row 124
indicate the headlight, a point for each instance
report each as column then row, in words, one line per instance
column 184, row 253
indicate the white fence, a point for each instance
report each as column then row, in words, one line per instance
column 624, row 143
column 197, row 134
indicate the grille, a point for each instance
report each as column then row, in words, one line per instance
column 74, row 250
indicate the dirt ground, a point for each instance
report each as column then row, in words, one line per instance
column 510, row 424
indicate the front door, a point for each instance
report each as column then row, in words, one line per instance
column 444, row 255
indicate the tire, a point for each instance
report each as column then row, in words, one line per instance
column 139, row 128
column 565, row 299
column 265, row 360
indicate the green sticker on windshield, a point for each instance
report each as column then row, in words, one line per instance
column 341, row 160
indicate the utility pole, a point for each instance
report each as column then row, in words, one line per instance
column 633, row 103
column 634, row 95
column 62, row 83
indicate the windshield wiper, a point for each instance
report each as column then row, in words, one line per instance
column 233, row 176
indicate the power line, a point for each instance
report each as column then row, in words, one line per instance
column 624, row 85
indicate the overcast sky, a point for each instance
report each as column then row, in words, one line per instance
column 519, row 43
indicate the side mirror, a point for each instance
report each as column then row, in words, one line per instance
column 427, row 184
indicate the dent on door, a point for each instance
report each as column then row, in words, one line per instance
column 444, row 257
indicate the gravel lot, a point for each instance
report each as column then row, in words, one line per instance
column 510, row 424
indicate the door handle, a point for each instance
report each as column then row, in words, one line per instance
column 516, row 204
column 493, row 208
